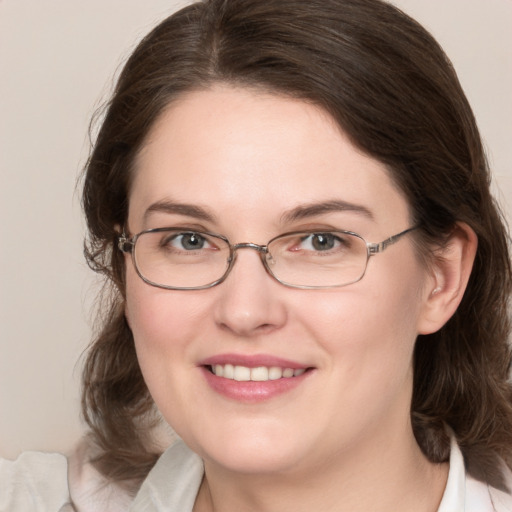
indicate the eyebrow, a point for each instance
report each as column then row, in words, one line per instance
column 300, row 212
column 312, row 209
column 172, row 207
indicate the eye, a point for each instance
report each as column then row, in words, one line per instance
column 320, row 242
column 186, row 241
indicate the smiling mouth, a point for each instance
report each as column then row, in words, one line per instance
column 257, row 374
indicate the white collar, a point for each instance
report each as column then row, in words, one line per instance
column 465, row 494
column 454, row 496
column 173, row 483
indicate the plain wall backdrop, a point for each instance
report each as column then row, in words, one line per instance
column 57, row 63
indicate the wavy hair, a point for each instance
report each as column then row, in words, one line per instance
column 392, row 90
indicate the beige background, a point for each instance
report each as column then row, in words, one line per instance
column 57, row 60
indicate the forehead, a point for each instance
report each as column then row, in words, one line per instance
column 256, row 155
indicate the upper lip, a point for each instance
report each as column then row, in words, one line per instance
column 252, row 361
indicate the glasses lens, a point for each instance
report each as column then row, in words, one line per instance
column 181, row 259
column 319, row 259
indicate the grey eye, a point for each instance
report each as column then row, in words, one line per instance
column 320, row 242
column 323, row 241
column 187, row 241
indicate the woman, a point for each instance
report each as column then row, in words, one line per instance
column 309, row 274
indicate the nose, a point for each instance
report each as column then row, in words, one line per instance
column 250, row 302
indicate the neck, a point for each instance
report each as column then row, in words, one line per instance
column 389, row 475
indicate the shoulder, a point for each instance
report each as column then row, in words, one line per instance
column 481, row 497
column 56, row 483
column 503, row 500
column 463, row 492
column 173, row 483
column 89, row 490
column 497, row 500
column 35, row 480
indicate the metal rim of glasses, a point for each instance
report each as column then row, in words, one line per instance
column 127, row 244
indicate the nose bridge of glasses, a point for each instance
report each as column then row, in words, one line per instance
column 250, row 245
column 262, row 250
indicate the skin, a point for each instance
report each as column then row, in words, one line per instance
column 342, row 439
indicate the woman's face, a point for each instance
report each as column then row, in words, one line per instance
column 252, row 165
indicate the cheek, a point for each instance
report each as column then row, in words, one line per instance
column 163, row 323
column 375, row 315
column 158, row 318
column 157, row 323
column 369, row 330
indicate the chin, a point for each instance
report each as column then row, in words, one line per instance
column 249, row 452
column 251, row 461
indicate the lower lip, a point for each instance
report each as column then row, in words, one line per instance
column 252, row 391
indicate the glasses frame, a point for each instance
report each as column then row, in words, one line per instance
column 126, row 244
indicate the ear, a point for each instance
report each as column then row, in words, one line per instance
column 449, row 276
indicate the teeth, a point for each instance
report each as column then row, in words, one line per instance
column 229, row 371
column 275, row 373
column 242, row 373
column 258, row 374
column 287, row 373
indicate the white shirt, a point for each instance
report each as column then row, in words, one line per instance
column 38, row 482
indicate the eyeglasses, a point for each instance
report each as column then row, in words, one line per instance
column 181, row 259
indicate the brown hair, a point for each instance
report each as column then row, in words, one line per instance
column 391, row 88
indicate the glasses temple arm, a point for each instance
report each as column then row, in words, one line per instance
column 374, row 248
column 125, row 244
